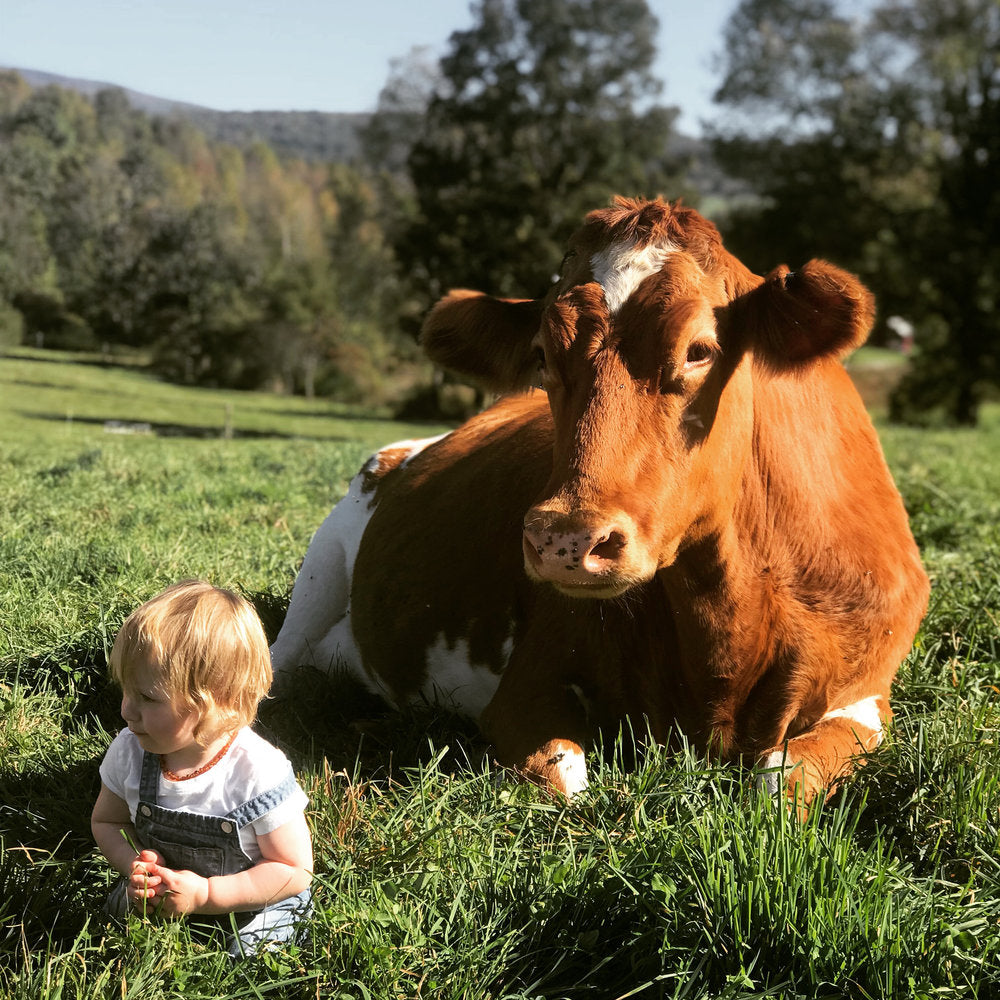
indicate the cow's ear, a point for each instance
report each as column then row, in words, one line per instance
column 485, row 339
column 796, row 316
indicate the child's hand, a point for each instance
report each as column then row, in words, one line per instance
column 175, row 893
column 143, row 880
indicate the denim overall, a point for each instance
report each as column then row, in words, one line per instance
column 209, row 846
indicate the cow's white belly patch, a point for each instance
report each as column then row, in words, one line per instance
column 317, row 628
column 455, row 682
column 316, row 631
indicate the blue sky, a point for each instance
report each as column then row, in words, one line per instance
column 326, row 55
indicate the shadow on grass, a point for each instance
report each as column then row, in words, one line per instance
column 38, row 384
column 360, row 413
column 197, row 431
column 49, row 869
column 82, row 358
column 333, row 722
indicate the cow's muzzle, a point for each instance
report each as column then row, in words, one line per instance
column 580, row 555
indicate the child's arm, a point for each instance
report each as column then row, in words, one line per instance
column 107, row 821
column 116, row 837
column 284, row 870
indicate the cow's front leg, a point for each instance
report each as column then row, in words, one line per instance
column 813, row 762
column 540, row 733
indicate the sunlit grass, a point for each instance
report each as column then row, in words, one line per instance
column 45, row 387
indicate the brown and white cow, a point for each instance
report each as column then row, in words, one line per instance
column 692, row 522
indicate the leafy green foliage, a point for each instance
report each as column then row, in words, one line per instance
column 235, row 268
column 871, row 136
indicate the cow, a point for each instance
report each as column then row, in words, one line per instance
column 678, row 514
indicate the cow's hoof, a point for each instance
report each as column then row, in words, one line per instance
column 559, row 765
column 772, row 775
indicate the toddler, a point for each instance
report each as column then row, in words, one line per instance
column 200, row 815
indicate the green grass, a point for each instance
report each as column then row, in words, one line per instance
column 436, row 876
column 869, row 356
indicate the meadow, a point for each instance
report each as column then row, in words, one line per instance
column 437, row 876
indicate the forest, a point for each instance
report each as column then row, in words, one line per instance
column 868, row 134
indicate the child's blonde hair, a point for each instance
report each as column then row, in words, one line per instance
column 210, row 649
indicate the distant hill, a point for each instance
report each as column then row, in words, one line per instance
column 311, row 135
column 322, row 136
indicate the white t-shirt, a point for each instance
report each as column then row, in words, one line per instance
column 250, row 766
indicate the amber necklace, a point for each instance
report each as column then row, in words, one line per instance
column 173, row 776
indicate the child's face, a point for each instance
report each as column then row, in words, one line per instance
column 162, row 725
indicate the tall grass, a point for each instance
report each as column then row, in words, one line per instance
column 436, row 875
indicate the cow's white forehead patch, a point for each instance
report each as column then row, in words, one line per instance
column 620, row 267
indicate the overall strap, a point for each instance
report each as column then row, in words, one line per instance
column 256, row 807
column 150, row 778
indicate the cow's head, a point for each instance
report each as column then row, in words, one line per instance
column 647, row 345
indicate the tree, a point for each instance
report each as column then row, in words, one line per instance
column 41, row 133
column 390, row 134
column 542, row 111
column 875, row 140
column 193, row 302
column 957, row 46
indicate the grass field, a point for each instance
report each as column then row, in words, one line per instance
column 436, row 877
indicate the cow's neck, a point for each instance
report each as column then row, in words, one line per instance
column 712, row 586
column 722, row 594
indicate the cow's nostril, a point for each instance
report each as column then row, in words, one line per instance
column 609, row 548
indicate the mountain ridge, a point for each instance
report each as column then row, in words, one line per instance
column 328, row 136
column 311, row 135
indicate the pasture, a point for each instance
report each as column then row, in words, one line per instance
column 437, row 876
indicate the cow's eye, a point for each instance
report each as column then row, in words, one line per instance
column 700, row 352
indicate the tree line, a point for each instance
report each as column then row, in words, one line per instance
column 870, row 133
column 230, row 266
column 866, row 132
